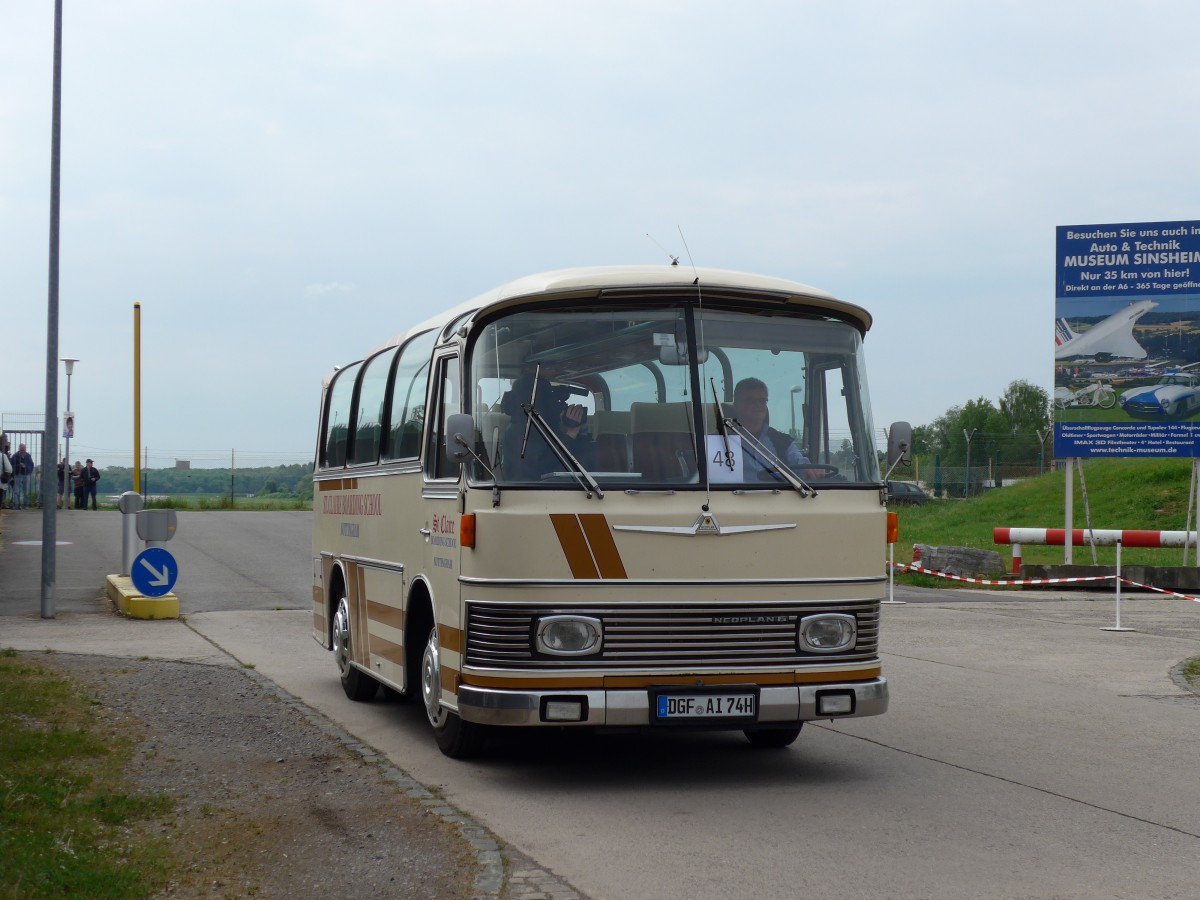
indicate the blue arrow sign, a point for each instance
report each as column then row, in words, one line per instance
column 154, row 572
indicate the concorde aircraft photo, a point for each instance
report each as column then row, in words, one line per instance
column 1112, row 337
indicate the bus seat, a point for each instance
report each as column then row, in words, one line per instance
column 611, row 432
column 492, row 425
column 661, row 441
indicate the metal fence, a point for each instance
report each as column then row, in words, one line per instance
column 27, row 429
column 958, row 481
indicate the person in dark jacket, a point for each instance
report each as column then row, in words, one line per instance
column 23, row 470
column 91, row 475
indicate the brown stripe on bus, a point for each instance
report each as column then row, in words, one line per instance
column 385, row 649
column 604, row 548
column 574, row 545
column 450, row 638
column 385, row 614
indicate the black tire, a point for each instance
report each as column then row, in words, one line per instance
column 773, row 737
column 455, row 738
column 357, row 684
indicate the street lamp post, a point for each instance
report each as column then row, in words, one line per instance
column 796, row 389
column 69, row 426
column 968, row 435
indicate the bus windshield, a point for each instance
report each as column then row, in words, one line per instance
column 671, row 395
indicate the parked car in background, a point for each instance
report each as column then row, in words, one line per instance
column 906, row 492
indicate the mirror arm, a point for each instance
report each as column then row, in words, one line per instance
column 467, row 451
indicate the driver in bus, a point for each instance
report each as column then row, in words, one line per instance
column 750, row 409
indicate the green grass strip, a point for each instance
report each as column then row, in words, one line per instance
column 68, row 823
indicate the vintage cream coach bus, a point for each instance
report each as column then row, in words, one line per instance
column 620, row 497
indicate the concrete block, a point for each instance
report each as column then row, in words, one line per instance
column 129, row 602
column 966, row 562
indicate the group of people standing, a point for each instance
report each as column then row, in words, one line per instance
column 83, row 481
column 18, row 477
column 17, row 472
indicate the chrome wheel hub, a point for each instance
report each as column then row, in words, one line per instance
column 341, row 636
column 431, row 681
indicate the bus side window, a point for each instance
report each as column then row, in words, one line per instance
column 337, row 418
column 402, row 440
column 372, row 392
column 446, row 400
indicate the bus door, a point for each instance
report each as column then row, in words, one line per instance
column 441, row 500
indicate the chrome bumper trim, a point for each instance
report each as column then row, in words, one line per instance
column 627, row 708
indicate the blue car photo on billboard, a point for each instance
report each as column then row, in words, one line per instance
column 1176, row 395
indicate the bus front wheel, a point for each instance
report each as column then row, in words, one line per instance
column 357, row 684
column 456, row 738
column 773, row 737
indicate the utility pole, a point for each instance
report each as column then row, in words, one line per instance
column 50, row 424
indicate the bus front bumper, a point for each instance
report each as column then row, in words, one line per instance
column 630, row 708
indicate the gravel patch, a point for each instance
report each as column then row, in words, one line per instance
column 274, row 801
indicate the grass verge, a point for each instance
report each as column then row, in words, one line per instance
column 1122, row 494
column 1191, row 671
column 69, row 827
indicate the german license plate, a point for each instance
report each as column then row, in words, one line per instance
column 671, row 706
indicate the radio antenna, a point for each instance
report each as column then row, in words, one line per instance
column 672, row 257
column 696, row 283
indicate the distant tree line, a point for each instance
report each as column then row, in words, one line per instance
column 965, row 446
column 292, row 481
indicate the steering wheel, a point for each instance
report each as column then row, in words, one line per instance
column 821, row 469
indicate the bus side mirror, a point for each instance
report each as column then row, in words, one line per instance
column 899, row 445
column 459, row 433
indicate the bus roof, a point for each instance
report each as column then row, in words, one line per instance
column 592, row 281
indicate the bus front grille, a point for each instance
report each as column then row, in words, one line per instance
column 663, row 636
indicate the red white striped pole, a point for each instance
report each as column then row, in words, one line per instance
column 1081, row 537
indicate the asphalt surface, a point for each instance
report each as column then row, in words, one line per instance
column 1027, row 752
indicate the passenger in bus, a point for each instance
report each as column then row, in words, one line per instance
column 750, row 410
column 569, row 422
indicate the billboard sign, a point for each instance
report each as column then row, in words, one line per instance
column 1127, row 340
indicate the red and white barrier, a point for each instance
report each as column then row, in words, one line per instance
column 1015, row 582
column 1100, row 537
column 1083, row 536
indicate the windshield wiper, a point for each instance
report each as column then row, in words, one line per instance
column 765, row 454
column 722, row 428
column 575, row 468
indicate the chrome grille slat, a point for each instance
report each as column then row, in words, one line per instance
column 663, row 636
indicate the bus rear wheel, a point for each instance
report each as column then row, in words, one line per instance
column 773, row 737
column 357, row 684
column 456, row 738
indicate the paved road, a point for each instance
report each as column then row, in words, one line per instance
column 1027, row 752
column 228, row 560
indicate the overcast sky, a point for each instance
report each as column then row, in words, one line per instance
column 282, row 185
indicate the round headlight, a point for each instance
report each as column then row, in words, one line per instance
column 827, row 633
column 569, row 635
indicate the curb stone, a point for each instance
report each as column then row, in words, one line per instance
column 526, row 880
